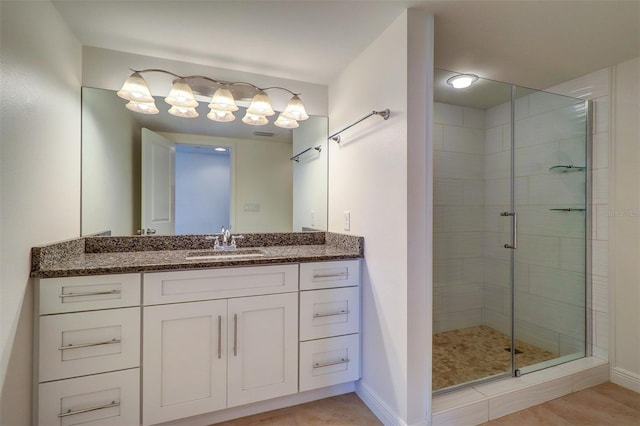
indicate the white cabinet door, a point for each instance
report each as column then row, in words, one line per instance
column 263, row 348
column 184, row 360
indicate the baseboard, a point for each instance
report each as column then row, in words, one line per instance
column 625, row 378
column 379, row 408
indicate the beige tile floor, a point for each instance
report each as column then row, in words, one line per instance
column 605, row 404
column 464, row 355
column 341, row 410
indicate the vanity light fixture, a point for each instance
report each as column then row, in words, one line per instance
column 462, row 81
column 222, row 105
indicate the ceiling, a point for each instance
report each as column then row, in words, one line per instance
column 532, row 43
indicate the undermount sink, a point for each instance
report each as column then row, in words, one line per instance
column 224, row 254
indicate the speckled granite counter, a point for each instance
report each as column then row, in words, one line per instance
column 114, row 255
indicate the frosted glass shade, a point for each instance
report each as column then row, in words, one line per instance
column 181, row 95
column 295, row 109
column 143, row 107
column 261, row 105
column 135, row 89
column 221, row 116
column 185, row 112
column 286, row 123
column 222, row 100
column 254, row 120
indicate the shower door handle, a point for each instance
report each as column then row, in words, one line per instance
column 514, row 230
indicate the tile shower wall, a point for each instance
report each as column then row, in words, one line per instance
column 458, row 216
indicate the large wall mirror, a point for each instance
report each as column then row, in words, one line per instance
column 167, row 175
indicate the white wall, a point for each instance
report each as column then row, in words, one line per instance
column 40, row 174
column 625, row 225
column 380, row 174
column 110, row 165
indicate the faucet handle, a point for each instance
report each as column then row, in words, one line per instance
column 234, row 238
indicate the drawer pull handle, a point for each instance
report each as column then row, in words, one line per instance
column 330, row 315
column 90, row 293
column 219, row 336
column 87, row 410
column 327, row 364
column 235, row 334
column 86, row 345
column 337, row 274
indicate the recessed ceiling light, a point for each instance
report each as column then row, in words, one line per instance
column 461, row 81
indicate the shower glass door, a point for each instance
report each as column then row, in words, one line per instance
column 509, row 231
column 550, row 198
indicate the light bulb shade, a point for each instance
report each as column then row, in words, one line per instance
column 462, row 81
column 295, row 109
column 254, row 119
column 181, row 95
column 135, row 89
column 221, row 116
column 143, row 107
column 261, row 105
column 285, row 123
column 223, row 101
column 185, row 112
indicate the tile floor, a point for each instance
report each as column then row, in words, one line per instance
column 464, row 355
column 341, row 410
column 604, row 404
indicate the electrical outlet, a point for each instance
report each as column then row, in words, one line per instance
column 347, row 221
column 313, row 218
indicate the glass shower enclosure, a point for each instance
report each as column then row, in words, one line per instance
column 510, row 231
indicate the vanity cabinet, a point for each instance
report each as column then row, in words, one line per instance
column 202, row 356
column 87, row 341
column 190, row 342
column 329, row 323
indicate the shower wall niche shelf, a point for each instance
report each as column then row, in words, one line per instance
column 567, row 169
column 570, row 209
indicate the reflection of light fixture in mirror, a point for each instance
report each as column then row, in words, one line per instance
column 220, row 149
column 462, row 81
column 295, row 109
column 181, row 95
column 143, row 107
column 285, row 123
column 254, row 119
column 222, row 104
column 261, row 105
column 136, row 89
column 221, row 116
column 184, row 112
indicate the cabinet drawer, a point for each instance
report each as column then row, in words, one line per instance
column 342, row 273
column 205, row 284
column 331, row 312
column 103, row 399
column 73, row 294
column 330, row 361
column 84, row 343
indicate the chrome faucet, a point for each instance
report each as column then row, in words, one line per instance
column 226, row 234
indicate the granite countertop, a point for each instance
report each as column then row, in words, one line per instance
column 115, row 255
